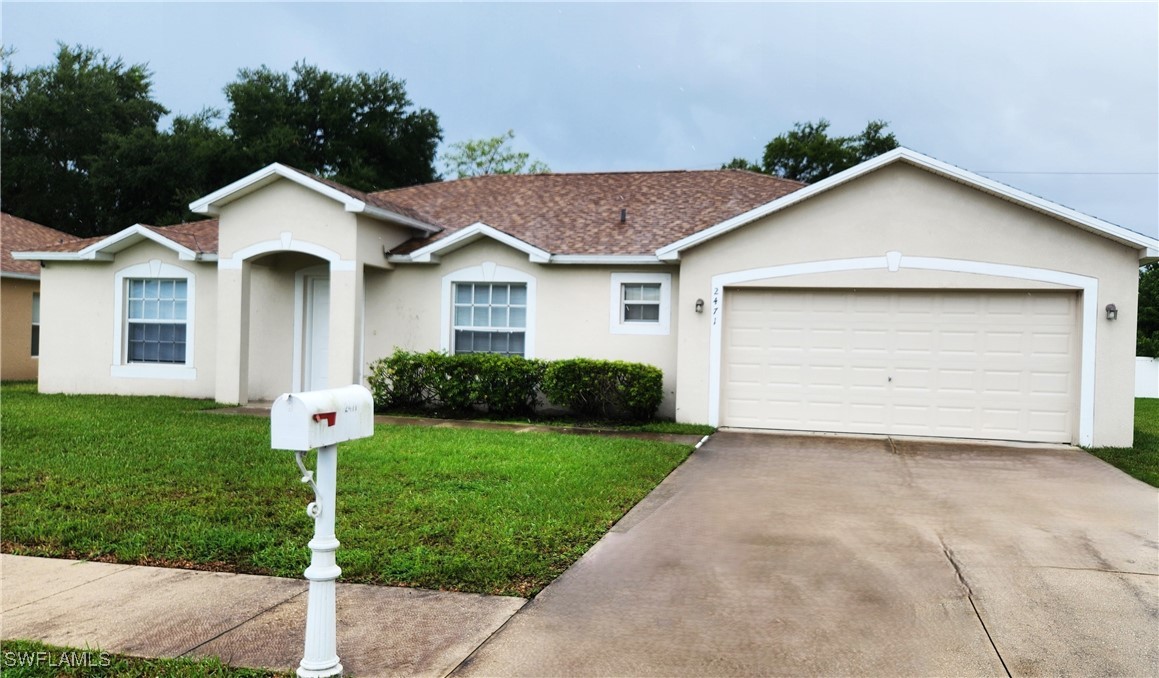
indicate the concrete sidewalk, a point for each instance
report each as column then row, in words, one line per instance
column 246, row 620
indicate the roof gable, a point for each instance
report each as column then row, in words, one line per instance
column 193, row 241
column 351, row 200
column 1148, row 247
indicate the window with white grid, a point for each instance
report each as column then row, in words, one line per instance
column 156, row 317
column 490, row 318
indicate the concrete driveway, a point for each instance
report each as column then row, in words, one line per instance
column 787, row 555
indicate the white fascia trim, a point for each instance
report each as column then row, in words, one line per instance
column 96, row 251
column 608, row 259
column 894, row 261
column 465, row 236
column 662, row 326
column 1114, row 232
column 19, row 276
column 392, row 216
column 486, row 272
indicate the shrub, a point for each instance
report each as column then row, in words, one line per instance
column 455, row 383
column 607, row 389
column 510, row 385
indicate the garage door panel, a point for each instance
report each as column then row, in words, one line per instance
column 963, row 364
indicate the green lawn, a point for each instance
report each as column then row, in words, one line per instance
column 1142, row 460
column 156, row 481
column 28, row 659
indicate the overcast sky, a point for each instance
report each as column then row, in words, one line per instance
column 1061, row 100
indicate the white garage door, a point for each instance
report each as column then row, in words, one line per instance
column 995, row 365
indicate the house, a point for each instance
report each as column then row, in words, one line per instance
column 904, row 296
column 20, row 295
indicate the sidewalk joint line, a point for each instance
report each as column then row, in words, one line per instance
column 465, row 660
column 1096, row 569
column 242, row 623
column 71, row 588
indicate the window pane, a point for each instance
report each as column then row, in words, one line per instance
column 463, row 315
column 631, row 293
column 499, row 294
column 166, row 291
column 463, row 293
column 179, row 289
column 519, row 295
column 515, row 345
column 179, row 310
column 482, row 294
column 650, row 292
column 136, row 289
column 36, row 307
column 136, row 308
column 498, row 317
column 150, row 310
column 499, row 342
column 641, row 312
column 481, row 316
column 36, row 340
column 150, row 289
column 517, row 318
column 165, row 310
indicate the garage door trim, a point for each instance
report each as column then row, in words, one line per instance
column 893, row 261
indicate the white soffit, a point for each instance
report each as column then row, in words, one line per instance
column 1149, row 247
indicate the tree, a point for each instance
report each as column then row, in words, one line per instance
column 1147, row 342
column 476, row 157
column 59, row 121
column 807, row 153
column 360, row 130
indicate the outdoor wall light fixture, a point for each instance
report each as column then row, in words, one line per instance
column 1112, row 312
column 700, row 306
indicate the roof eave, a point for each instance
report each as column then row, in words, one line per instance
column 105, row 249
column 19, row 276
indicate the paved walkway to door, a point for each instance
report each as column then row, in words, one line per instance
column 786, row 555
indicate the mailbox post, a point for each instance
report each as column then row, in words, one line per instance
column 320, row 420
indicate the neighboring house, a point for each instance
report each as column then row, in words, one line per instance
column 20, row 295
column 904, row 296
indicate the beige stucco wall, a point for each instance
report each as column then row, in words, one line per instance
column 16, row 361
column 901, row 208
column 77, row 306
column 572, row 312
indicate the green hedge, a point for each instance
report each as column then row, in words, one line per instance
column 455, row 384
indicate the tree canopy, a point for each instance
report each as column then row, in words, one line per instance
column 808, row 153
column 1147, row 343
column 476, row 157
column 83, row 149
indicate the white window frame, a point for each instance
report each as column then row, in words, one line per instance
column 662, row 326
column 121, row 367
column 487, row 272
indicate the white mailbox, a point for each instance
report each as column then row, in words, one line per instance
column 307, row 421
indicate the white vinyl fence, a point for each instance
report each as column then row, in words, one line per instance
column 1147, row 377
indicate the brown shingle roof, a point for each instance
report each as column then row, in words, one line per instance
column 580, row 213
column 199, row 236
column 20, row 235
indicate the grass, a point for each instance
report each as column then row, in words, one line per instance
column 28, row 659
column 1142, row 460
column 155, row 481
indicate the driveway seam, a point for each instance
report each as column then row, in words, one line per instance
column 466, row 660
column 970, row 597
column 242, row 623
column 1096, row 569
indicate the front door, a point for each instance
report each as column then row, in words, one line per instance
column 316, row 332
